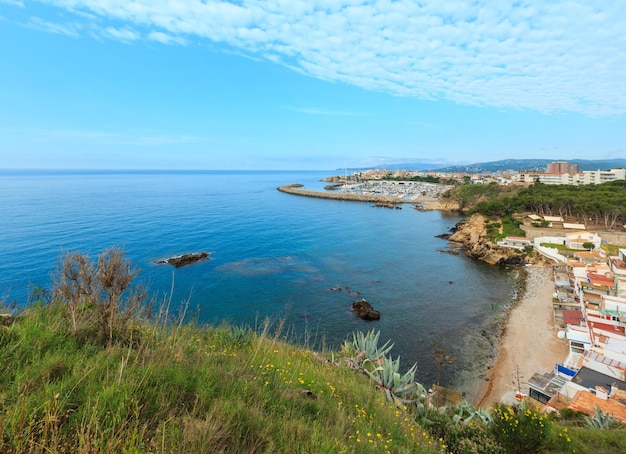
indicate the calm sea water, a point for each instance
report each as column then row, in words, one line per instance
column 272, row 255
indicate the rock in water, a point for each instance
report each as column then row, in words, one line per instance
column 364, row 310
column 185, row 259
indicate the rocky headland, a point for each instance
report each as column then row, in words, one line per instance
column 470, row 235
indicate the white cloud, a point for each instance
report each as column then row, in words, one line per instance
column 71, row 30
column 164, row 38
column 563, row 55
column 18, row 3
column 120, row 34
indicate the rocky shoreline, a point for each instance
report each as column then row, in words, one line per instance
column 471, row 236
column 528, row 341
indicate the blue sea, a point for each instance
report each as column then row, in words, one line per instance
column 273, row 255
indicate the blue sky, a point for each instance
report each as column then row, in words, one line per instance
column 290, row 84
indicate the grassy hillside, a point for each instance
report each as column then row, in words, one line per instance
column 76, row 376
column 185, row 389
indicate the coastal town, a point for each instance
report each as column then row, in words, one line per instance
column 584, row 300
column 564, row 342
column 556, row 172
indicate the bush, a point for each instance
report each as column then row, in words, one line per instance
column 520, row 429
column 100, row 295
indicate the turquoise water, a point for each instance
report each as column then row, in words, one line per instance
column 272, row 255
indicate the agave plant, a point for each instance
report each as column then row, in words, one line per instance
column 367, row 345
column 600, row 420
column 466, row 413
column 398, row 388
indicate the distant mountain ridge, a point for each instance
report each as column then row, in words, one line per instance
column 399, row 166
column 514, row 165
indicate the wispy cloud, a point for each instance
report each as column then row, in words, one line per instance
column 560, row 55
column 18, row 3
column 121, row 34
column 164, row 38
column 70, row 29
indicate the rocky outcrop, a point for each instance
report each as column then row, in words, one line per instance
column 471, row 236
column 364, row 310
column 185, row 259
column 6, row 319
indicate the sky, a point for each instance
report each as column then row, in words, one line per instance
column 308, row 84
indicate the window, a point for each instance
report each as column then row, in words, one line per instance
column 541, row 397
column 577, row 347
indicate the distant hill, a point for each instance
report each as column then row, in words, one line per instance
column 400, row 166
column 522, row 165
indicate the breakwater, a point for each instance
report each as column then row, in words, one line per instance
column 272, row 256
column 296, row 189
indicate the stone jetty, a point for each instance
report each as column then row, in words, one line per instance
column 377, row 198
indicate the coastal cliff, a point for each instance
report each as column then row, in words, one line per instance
column 471, row 236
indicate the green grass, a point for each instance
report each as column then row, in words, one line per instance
column 503, row 227
column 612, row 249
column 186, row 389
column 149, row 385
column 561, row 248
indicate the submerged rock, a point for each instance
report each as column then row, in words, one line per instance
column 185, row 259
column 364, row 310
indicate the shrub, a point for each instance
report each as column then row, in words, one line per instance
column 99, row 293
column 520, row 429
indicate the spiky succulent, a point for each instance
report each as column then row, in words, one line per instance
column 367, row 345
column 466, row 413
column 600, row 420
column 399, row 388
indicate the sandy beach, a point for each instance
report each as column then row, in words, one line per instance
column 529, row 343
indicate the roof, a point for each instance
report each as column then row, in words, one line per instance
column 599, row 325
column 609, row 362
column 589, row 378
column 572, row 317
column 534, row 217
column 547, row 383
column 517, row 238
column 575, row 264
column 618, row 263
column 567, row 225
column 583, row 234
column 599, row 279
column 578, row 336
column 586, row 402
column 553, row 218
column 588, row 254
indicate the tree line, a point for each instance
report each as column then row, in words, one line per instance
column 599, row 204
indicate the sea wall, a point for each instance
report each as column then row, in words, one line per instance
column 297, row 190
